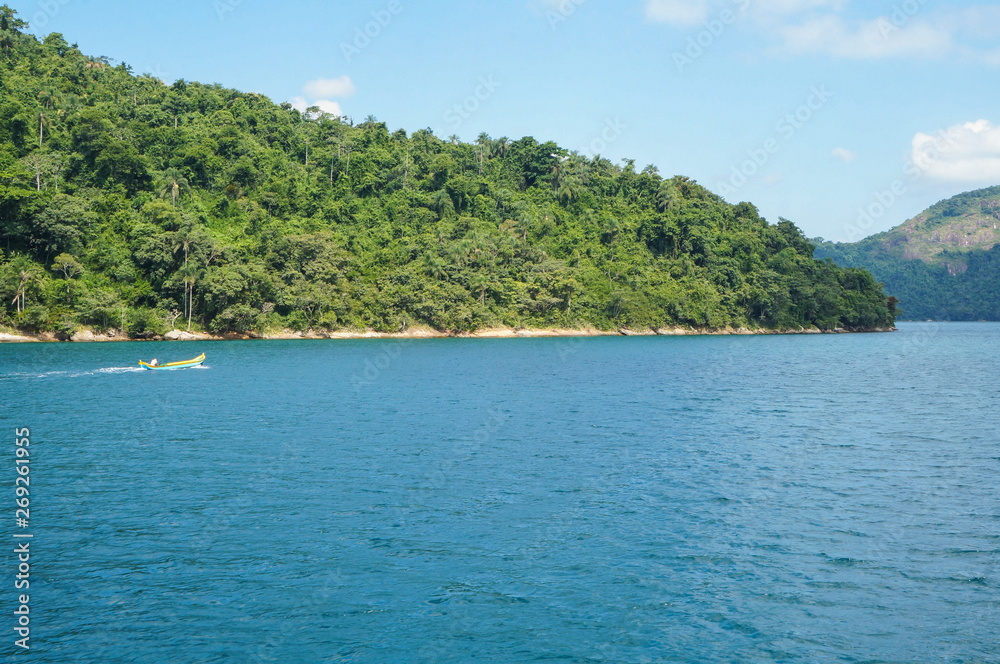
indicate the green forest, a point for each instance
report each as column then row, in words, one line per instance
column 962, row 287
column 131, row 205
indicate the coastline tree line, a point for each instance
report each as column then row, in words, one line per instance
column 133, row 205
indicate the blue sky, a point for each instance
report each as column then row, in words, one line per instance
column 844, row 116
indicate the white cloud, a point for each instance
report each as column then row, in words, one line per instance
column 677, row 12
column 794, row 6
column 323, row 88
column 833, row 28
column 968, row 153
column 844, row 154
column 319, row 92
column 978, row 22
column 325, row 106
column 878, row 38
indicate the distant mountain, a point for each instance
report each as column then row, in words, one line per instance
column 943, row 264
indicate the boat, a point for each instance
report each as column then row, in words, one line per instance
column 186, row 364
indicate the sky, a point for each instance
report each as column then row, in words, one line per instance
column 846, row 117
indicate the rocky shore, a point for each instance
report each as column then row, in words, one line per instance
column 87, row 336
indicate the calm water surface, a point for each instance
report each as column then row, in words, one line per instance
column 703, row 499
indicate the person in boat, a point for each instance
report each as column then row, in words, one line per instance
column 153, row 362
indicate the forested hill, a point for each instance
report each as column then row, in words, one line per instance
column 944, row 264
column 128, row 203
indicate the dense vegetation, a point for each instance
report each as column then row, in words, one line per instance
column 943, row 264
column 129, row 204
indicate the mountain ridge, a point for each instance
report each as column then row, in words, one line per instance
column 943, row 264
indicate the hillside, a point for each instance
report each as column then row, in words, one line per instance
column 943, row 264
column 132, row 205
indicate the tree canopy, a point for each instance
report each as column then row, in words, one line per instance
column 127, row 202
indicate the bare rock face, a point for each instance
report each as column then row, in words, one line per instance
column 13, row 338
column 83, row 335
column 181, row 335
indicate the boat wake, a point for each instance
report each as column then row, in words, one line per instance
column 113, row 370
column 71, row 374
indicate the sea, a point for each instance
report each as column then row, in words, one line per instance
column 700, row 499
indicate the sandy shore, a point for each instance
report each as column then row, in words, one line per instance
column 86, row 336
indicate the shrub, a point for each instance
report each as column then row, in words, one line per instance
column 237, row 318
column 144, row 323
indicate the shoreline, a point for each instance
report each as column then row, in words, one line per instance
column 86, row 336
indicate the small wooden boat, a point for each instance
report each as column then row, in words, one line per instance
column 186, row 364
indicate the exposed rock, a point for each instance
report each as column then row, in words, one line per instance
column 181, row 335
column 83, row 335
column 13, row 338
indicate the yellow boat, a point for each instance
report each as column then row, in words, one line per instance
column 186, row 364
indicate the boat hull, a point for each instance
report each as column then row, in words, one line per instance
column 173, row 366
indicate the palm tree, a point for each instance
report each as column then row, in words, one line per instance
column 503, row 144
column 441, row 203
column 173, row 184
column 6, row 42
column 476, row 240
column 186, row 238
column 523, row 225
column 333, row 140
column 436, row 266
column 483, row 141
column 49, row 98
column 348, row 148
column 610, row 231
column 25, row 272
column 480, row 282
column 24, row 276
column 556, row 175
column 568, row 188
column 667, row 196
column 190, row 274
column 458, row 252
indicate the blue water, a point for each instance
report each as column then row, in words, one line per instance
column 700, row 499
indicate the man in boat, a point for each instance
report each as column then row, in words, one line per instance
column 153, row 362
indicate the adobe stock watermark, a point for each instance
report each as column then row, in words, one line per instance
column 223, row 7
column 372, row 30
column 785, row 129
column 461, row 112
column 900, row 16
column 377, row 363
column 319, row 600
column 562, row 12
column 714, row 28
column 462, row 450
column 567, row 347
column 611, row 132
column 885, row 199
column 48, row 9
column 22, row 538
